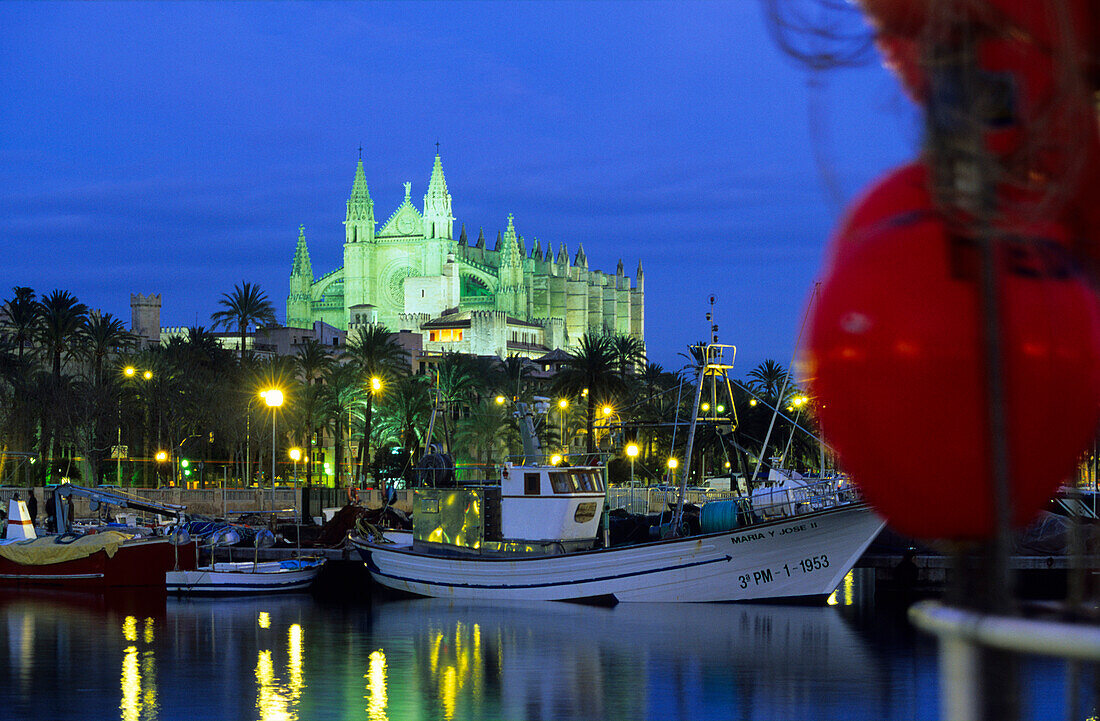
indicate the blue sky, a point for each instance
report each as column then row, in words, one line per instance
column 176, row 148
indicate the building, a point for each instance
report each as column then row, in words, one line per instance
column 412, row 274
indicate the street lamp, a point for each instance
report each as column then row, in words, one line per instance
column 274, row 399
column 162, row 458
column 295, row 455
column 129, row 372
column 672, row 465
column 500, row 400
column 632, row 451
column 563, row 404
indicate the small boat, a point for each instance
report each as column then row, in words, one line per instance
column 246, row 577
column 534, row 535
column 93, row 560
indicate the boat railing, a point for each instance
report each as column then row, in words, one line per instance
column 765, row 503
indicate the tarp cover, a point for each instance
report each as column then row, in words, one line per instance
column 44, row 551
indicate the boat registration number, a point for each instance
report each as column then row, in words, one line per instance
column 767, row 575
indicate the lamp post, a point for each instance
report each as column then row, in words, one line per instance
column 274, row 399
column 128, row 372
column 672, row 465
column 563, row 404
column 632, row 452
column 162, row 458
column 295, row 455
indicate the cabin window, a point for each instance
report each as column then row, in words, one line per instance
column 585, row 512
column 433, row 335
column 561, row 482
column 531, row 484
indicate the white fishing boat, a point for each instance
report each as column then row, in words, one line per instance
column 535, row 535
column 246, row 577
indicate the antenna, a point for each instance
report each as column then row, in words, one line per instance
column 711, row 318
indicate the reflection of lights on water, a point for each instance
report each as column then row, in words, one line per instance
column 448, row 691
column 376, row 687
column 294, row 649
column 275, row 701
column 847, row 591
column 139, row 680
column 131, row 685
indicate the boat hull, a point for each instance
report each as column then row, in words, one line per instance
column 240, row 579
column 799, row 558
column 140, row 564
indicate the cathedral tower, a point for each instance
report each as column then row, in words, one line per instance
column 298, row 303
column 438, row 221
column 358, row 244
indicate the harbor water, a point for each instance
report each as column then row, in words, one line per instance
column 132, row 657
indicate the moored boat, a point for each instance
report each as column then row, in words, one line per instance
column 534, row 534
column 246, row 577
column 94, row 560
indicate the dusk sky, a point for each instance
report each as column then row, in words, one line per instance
column 175, row 148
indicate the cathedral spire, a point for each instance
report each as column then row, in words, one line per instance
column 499, row 244
column 511, row 252
column 359, row 221
column 581, row 260
column 462, row 240
column 563, row 254
column 438, row 221
column 481, row 239
column 619, row 268
column 537, row 252
column 302, row 266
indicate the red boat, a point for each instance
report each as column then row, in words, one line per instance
column 120, row 563
column 94, row 561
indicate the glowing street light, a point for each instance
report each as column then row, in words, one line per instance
column 147, row 375
column 672, row 465
column 500, row 400
column 274, row 399
column 607, row 410
column 129, row 371
column 705, row 407
column 752, row 401
column 161, row 456
column 632, row 452
column 555, row 459
column 375, row 384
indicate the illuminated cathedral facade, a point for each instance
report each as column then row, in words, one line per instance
column 411, row 273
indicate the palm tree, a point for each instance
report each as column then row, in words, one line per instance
column 61, row 318
column 591, row 371
column 246, row 305
column 23, row 315
column 344, row 393
column 455, row 386
column 405, row 413
column 376, row 355
column 314, row 406
column 629, row 354
column 768, row 378
column 101, row 335
column 480, row 432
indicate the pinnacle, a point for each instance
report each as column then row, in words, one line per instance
column 302, row 265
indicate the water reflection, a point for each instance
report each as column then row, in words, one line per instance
column 292, row 658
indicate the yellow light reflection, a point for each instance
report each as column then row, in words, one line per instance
column 271, row 704
column 264, row 620
column 130, row 706
column 149, row 684
column 849, row 588
column 294, row 665
column 831, row 600
column 376, row 687
column 448, row 691
column 129, row 628
column 148, row 635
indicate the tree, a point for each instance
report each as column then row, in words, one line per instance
column 101, row 335
column 23, row 315
column 246, row 305
column 768, row 378
column 376, row 355
column 61, row 318
column 479, row 434
column 314, row 406
column 591, row 371
column 629, row 354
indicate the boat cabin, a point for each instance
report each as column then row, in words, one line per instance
column 533, row 509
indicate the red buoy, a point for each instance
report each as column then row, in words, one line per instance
column 897, row 359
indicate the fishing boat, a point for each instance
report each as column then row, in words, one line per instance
column 246, row 577
column 534, row 535
column 92, row 560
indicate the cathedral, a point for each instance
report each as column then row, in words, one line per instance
column 412, row 274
